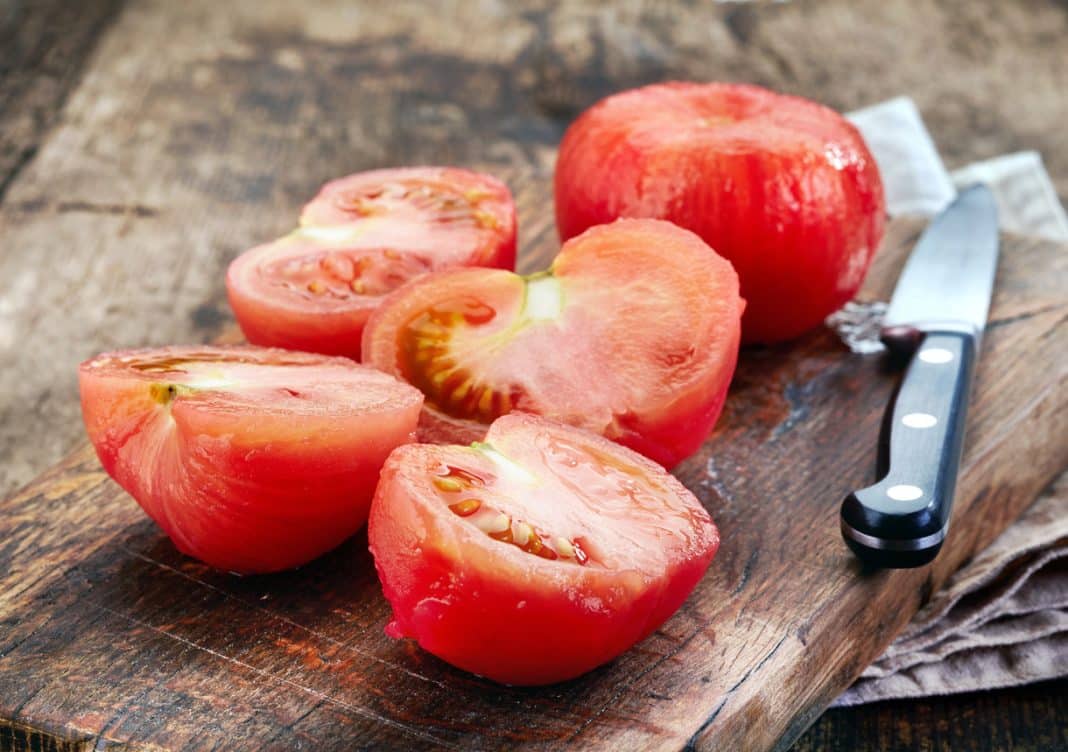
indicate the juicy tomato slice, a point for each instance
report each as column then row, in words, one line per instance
column 537, row 555
column 250, row 459
column 359, row 239
column 783, row 187
column 633, row 333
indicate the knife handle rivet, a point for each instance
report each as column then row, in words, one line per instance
column 904, row 492
column 919, row 420
column 935, row 355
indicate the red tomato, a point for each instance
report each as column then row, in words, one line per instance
column 250, row 459
column 360, row 238
column 632, row 333
column 782, row 187
column 537, row 555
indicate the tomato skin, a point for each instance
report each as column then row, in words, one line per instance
column 488, row 608
column 314, row 289
column 637, row 294
column 246, row 481
column 784, row 188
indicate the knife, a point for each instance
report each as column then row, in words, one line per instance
column 934, row 323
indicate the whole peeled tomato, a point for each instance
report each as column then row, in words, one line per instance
column 537, row 554
column 251, row 459
column 781, row 186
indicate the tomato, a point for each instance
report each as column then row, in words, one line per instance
column 360, row 238
column 536, row 555
column 632, row 333
column 783, row 187
column 250, row 459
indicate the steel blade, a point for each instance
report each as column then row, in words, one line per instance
column 949, row 278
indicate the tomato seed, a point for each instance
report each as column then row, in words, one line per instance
column 448, row 485
column 492, row 525
column 466, row 508
column 339, row 266
column 486, row 220
column 522, row 534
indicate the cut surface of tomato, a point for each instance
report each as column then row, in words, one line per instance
column 535, row 555
column 632, row 333
column 359, row 239
column 783, row 187
column 250, row 459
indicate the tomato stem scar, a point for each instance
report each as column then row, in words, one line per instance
column 164, row 394
column 544, row 298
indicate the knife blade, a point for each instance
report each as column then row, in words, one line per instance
column 935, row 321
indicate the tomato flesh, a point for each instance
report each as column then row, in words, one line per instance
column 536, row 555
column 633, row 333
column 784, row 188
column 250, row 459
column 360, row 238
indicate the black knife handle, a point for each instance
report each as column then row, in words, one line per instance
column 902, row 520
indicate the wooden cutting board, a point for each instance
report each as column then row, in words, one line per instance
column 108, row 634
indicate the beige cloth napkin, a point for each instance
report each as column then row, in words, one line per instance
column 1002, row 620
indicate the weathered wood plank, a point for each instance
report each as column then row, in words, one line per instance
column 43, row 47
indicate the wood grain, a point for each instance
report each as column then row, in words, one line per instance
column 43, row 48
column 198, row 130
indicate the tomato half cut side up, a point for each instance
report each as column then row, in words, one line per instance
column 250, row 459
column 360, row 238
column 536, row 555
column 632, row 333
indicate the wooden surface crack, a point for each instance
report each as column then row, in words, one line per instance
column 692, row 743
column 624, row 686
column 1000, row 322
column 35, row 206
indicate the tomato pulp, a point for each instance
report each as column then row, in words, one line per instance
column 360, row 238
column 250, row 459
column 784, row 188
column 536, row 555
column 632, row 333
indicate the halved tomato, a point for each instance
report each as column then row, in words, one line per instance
column 536, row 555
column 360, row 238
column 782, row 187
column 632, row 333
column 250, row 459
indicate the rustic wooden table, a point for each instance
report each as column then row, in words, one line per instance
column 484, row 84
